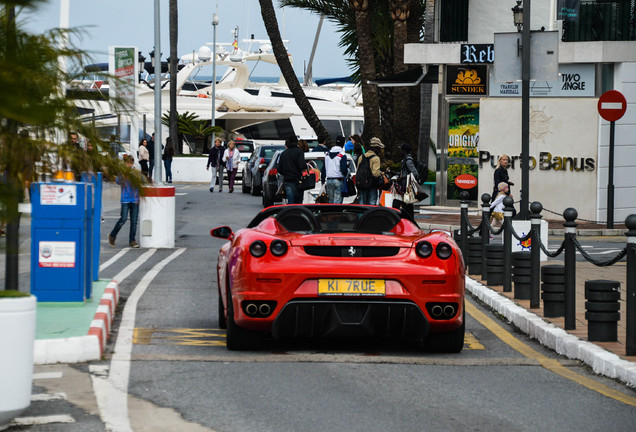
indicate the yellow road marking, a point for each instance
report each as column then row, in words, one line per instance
column 471, row 342
column 548, row 363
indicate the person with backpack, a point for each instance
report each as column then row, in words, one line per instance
column 335, row 171
column 368, row 173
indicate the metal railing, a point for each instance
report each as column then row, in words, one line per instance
column 568, row 247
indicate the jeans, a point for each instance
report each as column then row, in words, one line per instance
column 368, row 196
column 217, row 170
column 167, row 164
column 334, row 190
column 134, row 214
column 231, row 175
column 293, row 193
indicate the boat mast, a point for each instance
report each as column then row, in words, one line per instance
column 309, row 79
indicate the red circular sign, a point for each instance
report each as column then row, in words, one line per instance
column 465, row 181
column 612, row 105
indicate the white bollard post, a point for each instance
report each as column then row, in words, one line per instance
column 157, row 217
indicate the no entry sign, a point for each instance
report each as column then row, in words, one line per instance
column 612, row 105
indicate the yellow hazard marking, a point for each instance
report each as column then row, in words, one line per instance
column 548, row 363
column 471, row 342
column 179, row 336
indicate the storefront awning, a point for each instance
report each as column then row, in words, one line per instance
column 410, row 78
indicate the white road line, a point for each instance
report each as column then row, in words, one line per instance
column 113, row 259
column 48, row 375
column 44, row 397
column 42, row 420
column 112, row 393
column 130, row 268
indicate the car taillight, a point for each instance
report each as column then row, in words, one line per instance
column 424, row 249
column 278, row 248
column 258, row 248
column 273, row 172
column 261, row 161
column 443, row 250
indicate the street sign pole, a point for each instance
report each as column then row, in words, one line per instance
column 610, row 180
column 611, row 106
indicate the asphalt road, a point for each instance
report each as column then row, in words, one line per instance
column 178, row 374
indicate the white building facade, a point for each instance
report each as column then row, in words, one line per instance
column 569, row 141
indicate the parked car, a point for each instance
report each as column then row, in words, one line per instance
column 255, row 166
column 339, row 270
column 271, row 178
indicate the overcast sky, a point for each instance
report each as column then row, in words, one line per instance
column 131, row 23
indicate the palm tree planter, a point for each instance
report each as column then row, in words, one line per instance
column 17, row 335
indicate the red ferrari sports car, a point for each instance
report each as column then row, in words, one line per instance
column 339, row 270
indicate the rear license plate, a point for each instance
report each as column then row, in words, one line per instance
column 351, row 287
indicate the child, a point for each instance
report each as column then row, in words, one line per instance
column 497, row 205
column 129, row 202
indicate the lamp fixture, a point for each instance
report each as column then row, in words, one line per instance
column 517, row 15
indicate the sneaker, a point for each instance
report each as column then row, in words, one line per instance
column 211, row 189
column 133, row 244
column 111, row 241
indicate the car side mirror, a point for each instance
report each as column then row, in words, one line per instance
column 224, row 232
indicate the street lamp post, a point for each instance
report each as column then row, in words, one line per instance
column 215, row 23
column 521, row 17
column 157, row 67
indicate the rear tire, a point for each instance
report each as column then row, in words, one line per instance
column 222, row 320
column 266, row 201
column 447, row 342
column 255, row 191
column 244, row 187
column 237, row 338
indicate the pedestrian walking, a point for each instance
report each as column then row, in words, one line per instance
column 497, row 206
column 501, row 175
column 368, row 173
column 335, row 171
column 215, row 162
column 291, row 165
column 321, row 147
column 407, row 167
column 231, row 159
column 168, row 154
column 129, row 204
column 144, row 157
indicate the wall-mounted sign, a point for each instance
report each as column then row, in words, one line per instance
column 58, row 194
column 547, row 161
column 568, row 10
column 123, row 65
column 477, row 53
column 575, row 80
column 466, row 80
column 56, row 254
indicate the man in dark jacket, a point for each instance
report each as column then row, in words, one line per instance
column 214, row 161
column 291, row 165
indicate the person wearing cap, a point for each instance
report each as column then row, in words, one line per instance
column 370, row 195
column 335, row 171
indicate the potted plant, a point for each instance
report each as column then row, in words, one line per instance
column 17, row 335
column 200, row 130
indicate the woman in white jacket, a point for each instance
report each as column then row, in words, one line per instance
column 231, row 159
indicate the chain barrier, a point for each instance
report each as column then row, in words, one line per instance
column 514, row 233
column 607, row 263
column 492, row 229
column 551, row 254
column 472, row 230
column 578, row 219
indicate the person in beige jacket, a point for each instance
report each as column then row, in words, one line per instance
column 367, row 182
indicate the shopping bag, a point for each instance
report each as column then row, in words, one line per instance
column 419, row 191
column 322, row 197
column 409, row 193
column 348, row 187
column 308, row 178
column 386, row 199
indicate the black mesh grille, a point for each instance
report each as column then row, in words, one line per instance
column 352, row 251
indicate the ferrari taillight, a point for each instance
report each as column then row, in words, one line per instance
column 443, row 250
column 424, row 249
column 258, row 248
column 278, row 248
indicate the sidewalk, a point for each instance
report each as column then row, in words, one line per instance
column 607, row 358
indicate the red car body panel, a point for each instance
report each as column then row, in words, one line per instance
column 295, row 275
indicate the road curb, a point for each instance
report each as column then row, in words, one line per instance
column 82, row 348
column 601, row 361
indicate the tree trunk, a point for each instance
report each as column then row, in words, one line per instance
column 426, row 91
column 280, row 52
column 403, row 116
column 174, row 37
column 367, row 70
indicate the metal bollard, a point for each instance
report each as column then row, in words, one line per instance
column 535, row 255
column 570, row 216
column 464, row 223
column 630, row 296
column 485, row 232
column 507, row 241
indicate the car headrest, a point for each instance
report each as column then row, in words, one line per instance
column 377, row 220
column 298, row 219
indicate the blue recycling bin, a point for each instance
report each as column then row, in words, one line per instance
column 59, row 247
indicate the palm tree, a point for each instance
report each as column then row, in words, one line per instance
column 426, row 91
column 367, row 69
column 280, row 52
column 174, row 37
column 34, row 112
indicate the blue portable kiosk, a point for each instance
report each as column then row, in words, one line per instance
column 59, row 241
